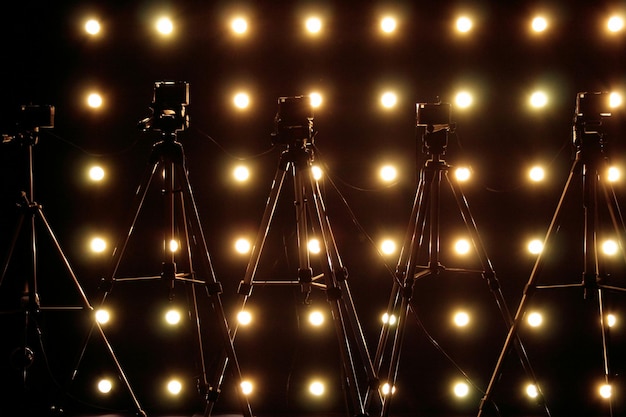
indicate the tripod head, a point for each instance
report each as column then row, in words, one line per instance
column 434, row 119
column 590, row 116
column 31, row 118
column 293, row 123
column 169, row 109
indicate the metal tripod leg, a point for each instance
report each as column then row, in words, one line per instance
column 493, row 283
column 405, row 279
column 36, row 211
column 213, row 290
column 529, row 290
column 339, row 296
column 306, row 191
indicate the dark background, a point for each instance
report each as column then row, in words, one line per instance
column 47, row 59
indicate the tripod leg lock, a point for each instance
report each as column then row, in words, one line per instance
column 305, row 275
column 341, row 273
column 333, row 293
column 212, row 395
column 244, row 289
column 214, row 288
column 492, row 282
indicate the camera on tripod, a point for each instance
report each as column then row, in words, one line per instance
column 169, row 107
column 293, row 122
column 30, row 119
column 436, row 120
column 592, row 109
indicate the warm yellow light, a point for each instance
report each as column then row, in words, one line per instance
column 102, row 316
column 388, row 100
column 462, row 246
column 313, row 25
column 536, row 174
column 462, row 174
column 174, row 387
column 615, row 24
column 246, row 387
column 242, row 245
column 464, row 24
column 173, row 245
column 538, row 99
column 316, row 318
column 316, row 99
column 98, row 245
column 244, row 318
column 164, row 26
column 535, row 246
column 241, row 100
column 94, row 100
column 539, row 24
column 535, row 319
column 613, row 174
column 463, row 99
column 314, row 246
column 615, row 100
column 461, row 389
column 606, row 391
column 388, row 247
column 532, row 391
column 92, row 27
column 172, row 317
column 386, row 389
column 461, row 319
column 317, row 172
column 105, row 386
column 389, row 319
column 239, row 25
column 388, row 24
column 611, row 320
column 610, row 247
column 241, row 173
column 96, row 173
column 388, row 173
column 317, row 388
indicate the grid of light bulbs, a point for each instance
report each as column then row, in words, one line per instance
column 389, row 25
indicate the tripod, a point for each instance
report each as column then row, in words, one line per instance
column 418, row 240
column 592, row 162
column 30, row 213
column 310, row 208
column 168, row 159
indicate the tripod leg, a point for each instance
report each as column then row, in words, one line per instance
column 89, row 309
column 490, row 276
column 120, row 249
column 527, row 294
column 406, row 271
column 341, row 276
column 214, row 289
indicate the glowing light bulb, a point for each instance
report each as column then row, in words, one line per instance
column 164, row 26
column 539, row 24
column 98, row 245
column 242, row 246
column 388, row 247
column 244, row 318
column 239, row 25
column 535, row 319
column 388, row 173
column 105, row 386
column 92, row 27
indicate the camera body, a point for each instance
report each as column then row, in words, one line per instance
column 32, row 117
column 293, row 122
column 436, row 120
column 169, row 107
column 592, row 111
